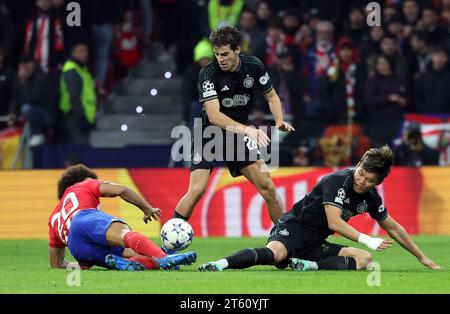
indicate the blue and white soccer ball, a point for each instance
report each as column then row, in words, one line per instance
column 176, row 234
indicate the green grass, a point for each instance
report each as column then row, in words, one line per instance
column 24, row 269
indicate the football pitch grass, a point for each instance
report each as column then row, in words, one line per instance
column 24, row 268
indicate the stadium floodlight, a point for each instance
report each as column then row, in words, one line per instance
column 124, row 127
column 139, row 109
column 168, row 75
column 154, row 92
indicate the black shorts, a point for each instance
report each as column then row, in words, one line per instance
column 237, row 151
column 299, row 245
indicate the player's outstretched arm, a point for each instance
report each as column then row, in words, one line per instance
column 110, row 189
column 275, row 108
column 399, row 234
column 56, row 256
column 337, row 224
column 217, row 118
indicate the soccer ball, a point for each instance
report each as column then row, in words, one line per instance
column 176, row 234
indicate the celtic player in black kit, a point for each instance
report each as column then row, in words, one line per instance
column 226, row 88
column 298, row 240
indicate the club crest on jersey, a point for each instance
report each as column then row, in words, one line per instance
column 208, row 86
column 362, row 207
column 248, row 82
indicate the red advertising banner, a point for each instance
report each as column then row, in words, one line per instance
column 233, row 207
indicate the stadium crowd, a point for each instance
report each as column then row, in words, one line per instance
column 330, row 68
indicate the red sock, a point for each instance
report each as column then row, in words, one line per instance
column 142, row 245
column 148, row 262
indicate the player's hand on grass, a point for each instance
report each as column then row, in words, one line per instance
column 385, row 244
column 154, row 213
column 285, row 127
column 258, row 136
column 427, row 262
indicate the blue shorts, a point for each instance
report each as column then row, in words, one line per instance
column 87, row 237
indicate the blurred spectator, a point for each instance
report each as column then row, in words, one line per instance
column 420, row 56
column 341, row 95
column 385, row 97
column 357, row 29
column 291, row 27
column 78, row 100
column 413, row 151
column 104, row 15
column 372, row 46
column 446, row 10
column 31, row 98
column 389, row 12
column 253, row 39
column 224, row 12
column 315, row 64
column 128, row 45
column 429, row 23
column 203, row 54
column 432, row 91
column 411, row 14
column 192, row 26
column 6, row 82
column 44, row 38
column 395, row 27
column 146, row 9
column 263, row 14
column 8, row 34
column 274, row 43
column 290, row 85
column 389, row 47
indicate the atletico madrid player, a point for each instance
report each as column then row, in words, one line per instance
column 96, row 238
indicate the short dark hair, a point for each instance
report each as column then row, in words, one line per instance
column 379, row 161
column 26, row 58
column 438, row 49
column 390, row 61
column 76, row 44
column 432, row 9
column 226, row 35
column 389, row 36
column 73, row 175
column 420, row 35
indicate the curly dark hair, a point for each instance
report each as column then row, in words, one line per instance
column 226, row 35
column 379, row 161
column 72, row 175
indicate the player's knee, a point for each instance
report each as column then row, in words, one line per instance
column 278, row 256
column 197, row 192
column 278, row 250
column 363, row 260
